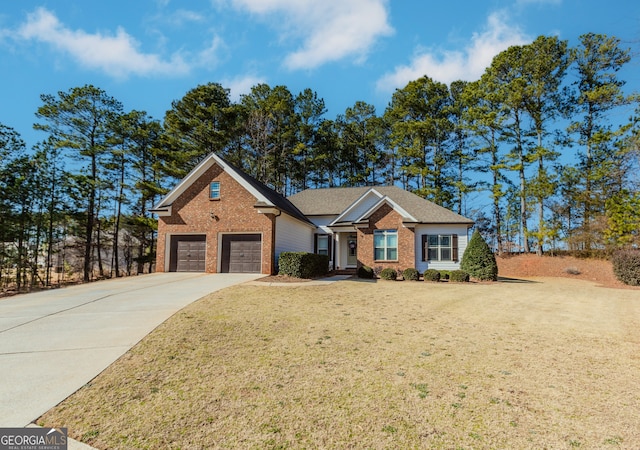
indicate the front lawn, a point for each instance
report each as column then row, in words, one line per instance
column 357, row 364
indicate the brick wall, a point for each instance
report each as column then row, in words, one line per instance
column 386, row 218
column 234, row 211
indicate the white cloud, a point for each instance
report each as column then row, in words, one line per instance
column 117, row 55
column 241, row 85
column 210, row 55
column 182, row 16
column 467, row 64
column 330, row 30
column 538, row 2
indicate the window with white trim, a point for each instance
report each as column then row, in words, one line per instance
column 440, row 247
column 214, row 190
column 323, row 244
column 385, row 243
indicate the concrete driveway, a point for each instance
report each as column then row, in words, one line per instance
column 54, row 342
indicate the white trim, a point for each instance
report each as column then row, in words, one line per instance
column 394, row 205
column 197, row 172
column 167, row 248
column 354, row 204
column 161, row 212
column 219, row 242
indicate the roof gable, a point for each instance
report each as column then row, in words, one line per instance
column 264, row 195
column 338, row 201
column 366, row 205
column 406, row 217
column 360, row 206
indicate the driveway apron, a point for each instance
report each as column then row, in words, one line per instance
column 54, row 342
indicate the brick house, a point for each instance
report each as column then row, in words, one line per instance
column 220, row 219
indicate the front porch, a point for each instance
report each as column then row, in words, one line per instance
column 346, row 250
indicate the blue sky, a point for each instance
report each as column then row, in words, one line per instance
column 147, row 53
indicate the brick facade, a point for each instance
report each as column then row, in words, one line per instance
column 386, row 218
column 234, row 212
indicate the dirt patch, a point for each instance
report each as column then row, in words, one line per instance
column 599, row 271
column 282, row 279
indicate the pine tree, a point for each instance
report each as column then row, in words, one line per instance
column 478, row 259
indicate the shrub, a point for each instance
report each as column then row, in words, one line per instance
column 303, row 264
column 389, row 274
column 431, row 275
column 478, row 259
column 626, row 266
column 445, row 274
column 459, row 276
column 411, row 274
column 365, row 272
column 572, row 270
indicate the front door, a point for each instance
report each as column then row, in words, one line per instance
column 352, row 250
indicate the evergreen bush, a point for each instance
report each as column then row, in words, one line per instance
column 365, row 272
column 431, row 275
column 389, row 274
column 626, row 266
column 459, row 276
column 478, row 259
column 411, row 274
column 303, row 264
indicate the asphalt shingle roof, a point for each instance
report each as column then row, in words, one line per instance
column 278, row 200
column 333, row 201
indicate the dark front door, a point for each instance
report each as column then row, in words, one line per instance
column 242, row 253
column 188, row 253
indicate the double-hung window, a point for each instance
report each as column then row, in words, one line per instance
column 322, row 244
column 440, row 247
column 385, row 243
column 214, row 190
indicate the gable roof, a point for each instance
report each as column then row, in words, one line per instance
column 335, row 201
column 265, row 196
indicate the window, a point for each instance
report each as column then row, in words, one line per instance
column 323, row 245
column 440, row 247
column 385, row 243
column 214, row 190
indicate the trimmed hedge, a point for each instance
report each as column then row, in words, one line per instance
column 411, row 274
column 478, row 259
column 431, row 275
column 365, row 272
column 626, row 266
column 459, row 276
column 389, row 274
column 303, row 264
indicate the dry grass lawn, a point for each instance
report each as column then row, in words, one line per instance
column 547, row 364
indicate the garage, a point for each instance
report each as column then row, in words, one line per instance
column 241, row 253
column 188, row 253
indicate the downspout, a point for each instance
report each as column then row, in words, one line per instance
column 333, row 251
column 273, row 242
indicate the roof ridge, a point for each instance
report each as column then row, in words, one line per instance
column 278, row 199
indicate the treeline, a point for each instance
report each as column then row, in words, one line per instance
column 542, row 151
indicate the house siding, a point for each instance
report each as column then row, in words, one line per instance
column 386, row 218
column 363, row 205
column 292, row 236
column 234, row 211
column 460, row 230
